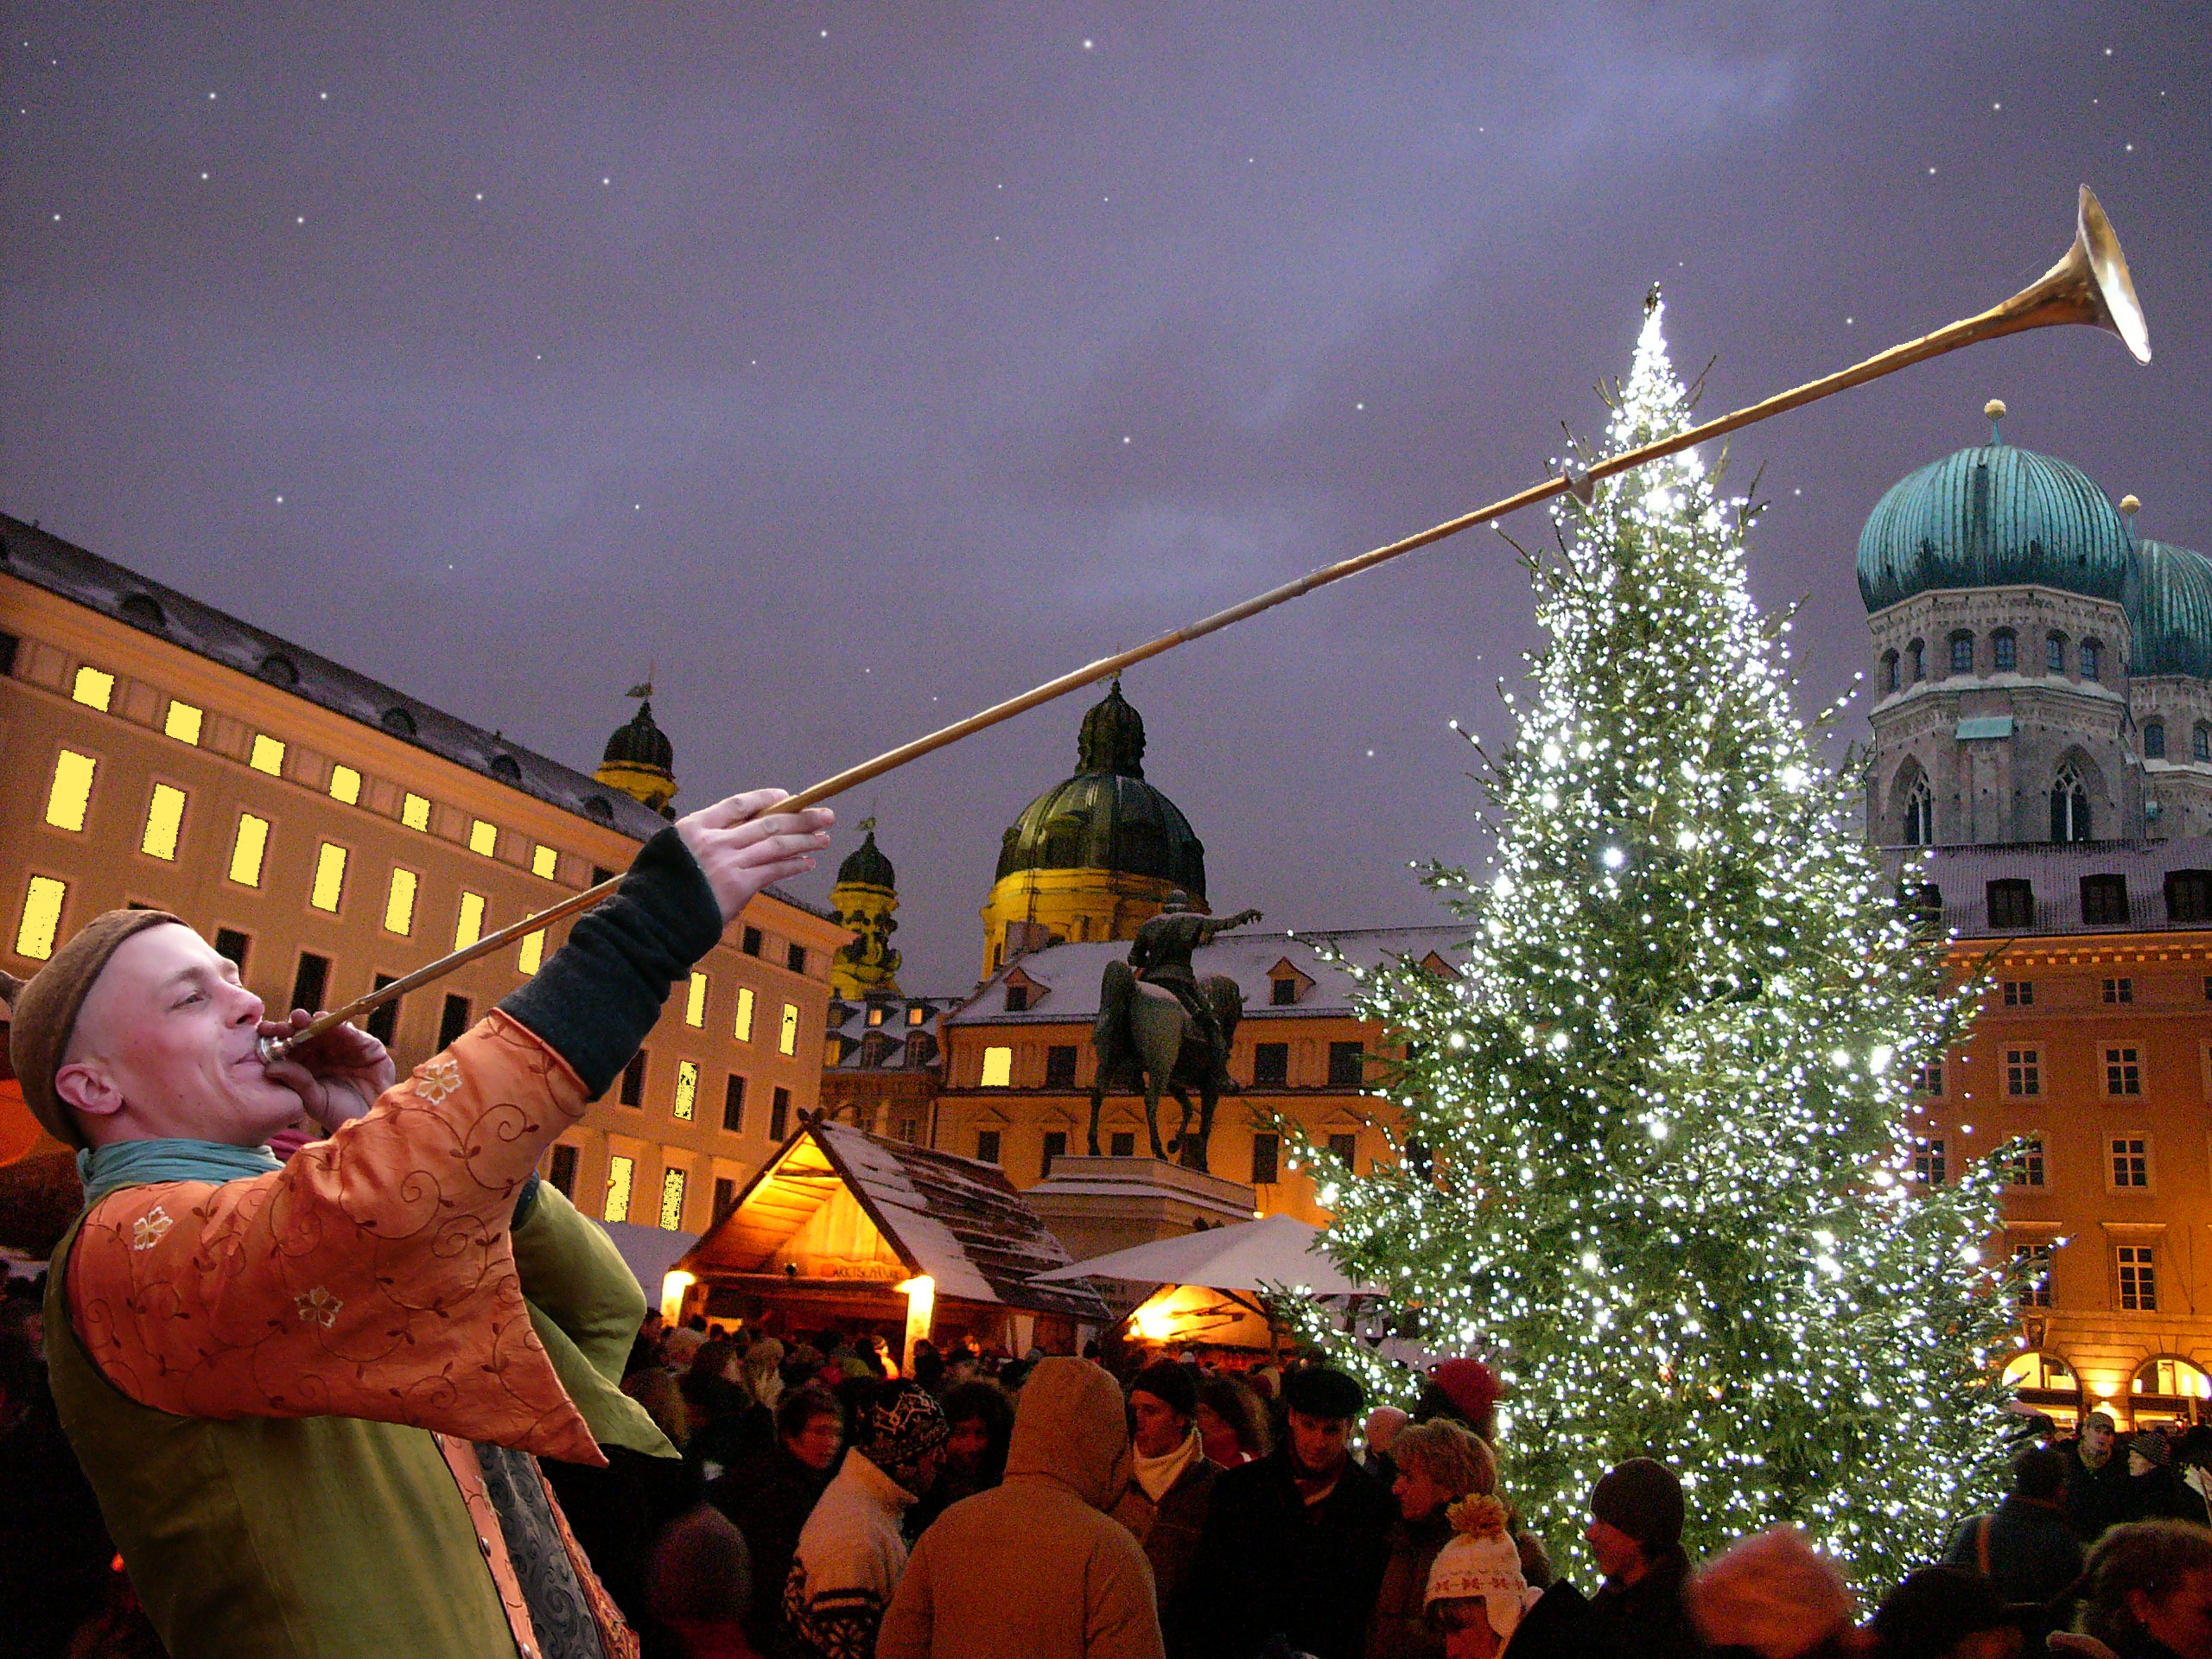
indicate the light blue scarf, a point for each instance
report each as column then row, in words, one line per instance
column 139, row 1163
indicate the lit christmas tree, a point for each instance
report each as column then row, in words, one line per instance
column 1658, row 1152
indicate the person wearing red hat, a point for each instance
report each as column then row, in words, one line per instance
column 308, row 1393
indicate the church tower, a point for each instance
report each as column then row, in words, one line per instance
column 865, row 894
column 1093, row 857
column 639, row 761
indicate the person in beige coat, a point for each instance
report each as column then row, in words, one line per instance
column 1036, row 1568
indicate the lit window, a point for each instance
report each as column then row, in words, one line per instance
column 533, row 952
column 2139, row 1282
column 695, row 1001
column 917, row 1014
column 329, row 877
column 2131, row 1161
column 686, row 1090
column 998, row 1068
column 875, row 1015
column 41, row 918
column 483, row 837
column 671, row 1201
column 787, row 1039
column 346, row 785
column 543, row 863
column 744, row 1028
column 619, row 1172
column 399, row 903
column 415, row 812
column 268, row 755
column 182, row 722
column 72, row 791
column 470, row 927
column 246, row 851
column 164, row 819
column 93, row 689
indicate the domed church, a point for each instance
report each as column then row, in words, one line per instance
column 1093, row 857
column 2042, row 672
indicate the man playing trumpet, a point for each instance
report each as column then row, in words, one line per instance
column 309, row 1396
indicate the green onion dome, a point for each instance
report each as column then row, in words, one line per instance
column 2169, row 602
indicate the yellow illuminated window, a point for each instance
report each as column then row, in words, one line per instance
column 399, row 903
column 164, row 818
column 268, row 755
column 346, row 785
column 93, row 689
column 695, row 1003
column 671, row 1201
column 72, row 791
column 483, row 837
column 533, row 952
column 415, row 812
column 998, row 1067
column 246, row 851
column 787, row 1039
column 542, row 862
column 470, row 927
column 744, row 1013
column 182, row 722
column 41, row 918
column 329, row 877
column 619, row 1172
column 687, row 1090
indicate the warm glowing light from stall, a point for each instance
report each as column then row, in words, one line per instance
column 672, row 1289
column 920, row 1293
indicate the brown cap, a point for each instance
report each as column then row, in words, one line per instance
column 45, row 1013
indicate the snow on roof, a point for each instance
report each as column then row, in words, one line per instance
column 1064, row 978
column 2054, row 871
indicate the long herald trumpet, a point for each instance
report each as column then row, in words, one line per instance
column 2089, row 285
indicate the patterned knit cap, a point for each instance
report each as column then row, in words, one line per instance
column 904, row 1425
column 2151, row 1447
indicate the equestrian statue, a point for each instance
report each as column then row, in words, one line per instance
column 1160, row 1027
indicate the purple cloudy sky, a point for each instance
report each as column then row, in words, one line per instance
column 852, row 366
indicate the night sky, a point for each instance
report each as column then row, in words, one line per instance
column 850, row 367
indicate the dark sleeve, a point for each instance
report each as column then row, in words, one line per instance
column 598, row 996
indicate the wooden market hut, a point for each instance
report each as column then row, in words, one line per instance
column 842, row 1228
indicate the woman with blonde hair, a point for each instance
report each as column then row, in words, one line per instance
column 1439, row 1463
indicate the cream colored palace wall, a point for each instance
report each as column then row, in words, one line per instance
column 104, row 867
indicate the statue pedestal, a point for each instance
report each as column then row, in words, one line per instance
column 1095, row 1205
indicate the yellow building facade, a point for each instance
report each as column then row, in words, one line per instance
column 330, row 834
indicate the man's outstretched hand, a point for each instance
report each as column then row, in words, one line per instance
column 742, row 854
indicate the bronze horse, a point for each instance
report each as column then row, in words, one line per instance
column 1143, row 1037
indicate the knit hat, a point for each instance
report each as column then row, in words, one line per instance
column 1479, row 1560
column 1323, row 1391
column 45, row 1010
column 1934, row 1610
column 1643, row 1499
column 1773, row 1593
column 2151, row 1447
column 903, row 1425
column 1471, row 1386
column 1174, row 1385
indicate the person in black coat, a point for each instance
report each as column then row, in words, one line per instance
column 2025, row 1549
column 1635, row 1533
column 2154, row 1492
column 2096, row 1478
column 770, row 1498
column 1295, row 1544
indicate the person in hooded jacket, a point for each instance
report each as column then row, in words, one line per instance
column 1036, row 1568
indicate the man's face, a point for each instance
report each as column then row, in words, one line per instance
column 816, row 1442
column 2096, row 1437
column 1160, row 1427
column 971, row 1439
column 1618, row 1554
column 1319, row 1445
column 164, row 1047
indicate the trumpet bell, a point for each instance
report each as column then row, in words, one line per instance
column 2112, row 289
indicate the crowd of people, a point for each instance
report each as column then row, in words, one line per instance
column 826, row 1506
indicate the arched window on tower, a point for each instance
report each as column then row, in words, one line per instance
column 1918, row 652
column 2200, row 742
column 2092, row 657
column 2069, row 804
column 1889, row 671
column 2054, row 654
column 2004, row 651
column 2154, row 740
column 1919, row 813
column 1962, row 653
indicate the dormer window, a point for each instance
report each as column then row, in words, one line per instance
column 1282, row 993
column 2092, row 659
column 2154, row 740
column 1962, row 653
column 1917, row 654
column 1889, row 671
column 2054, row 654
column 1017, row 999
column 2004, row 651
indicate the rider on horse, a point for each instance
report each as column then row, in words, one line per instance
column 1161, row 954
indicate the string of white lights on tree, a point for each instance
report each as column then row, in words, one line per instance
column 1655, row 1135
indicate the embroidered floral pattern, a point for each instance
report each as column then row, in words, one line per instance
column 437, row 1078
column 319, row 1306
column 149, row 1228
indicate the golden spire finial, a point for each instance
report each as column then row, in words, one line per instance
column 2129, row 506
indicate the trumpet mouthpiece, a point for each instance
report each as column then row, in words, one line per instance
column 272, row 1049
